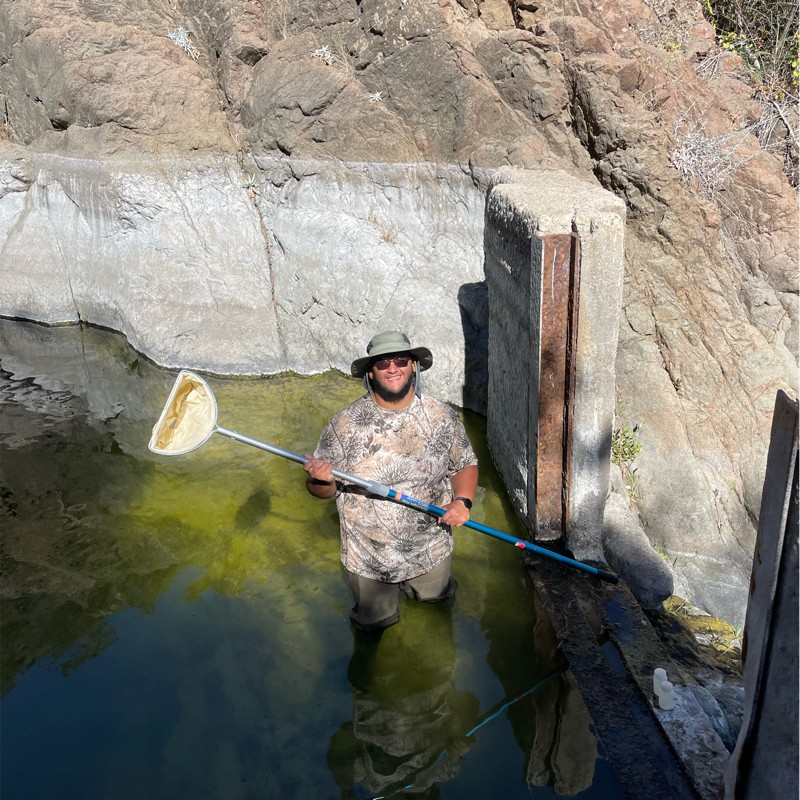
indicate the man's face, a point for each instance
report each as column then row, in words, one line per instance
column 390, row 380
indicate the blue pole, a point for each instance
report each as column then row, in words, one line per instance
column 384, row 491
column 506, row 537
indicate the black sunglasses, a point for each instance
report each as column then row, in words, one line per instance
column 399, row 361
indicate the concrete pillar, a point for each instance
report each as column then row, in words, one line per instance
column 553, row 249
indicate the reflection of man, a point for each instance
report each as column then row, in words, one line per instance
column 409, row 722
column 404, row 439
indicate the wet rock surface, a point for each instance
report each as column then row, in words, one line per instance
column 708, row 655
column 618, row 708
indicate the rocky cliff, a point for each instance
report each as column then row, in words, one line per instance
column 138, row 137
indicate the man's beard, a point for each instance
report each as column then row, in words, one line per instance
column 393, row 395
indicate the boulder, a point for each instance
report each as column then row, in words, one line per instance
column 629, row 553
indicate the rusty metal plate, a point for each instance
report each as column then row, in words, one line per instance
column 560, row 260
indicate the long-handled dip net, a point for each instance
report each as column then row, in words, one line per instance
column 190, row 417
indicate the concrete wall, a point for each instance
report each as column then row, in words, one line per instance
column 294, row 267
column 520, row 208
column 513, row 367
column 295, row 264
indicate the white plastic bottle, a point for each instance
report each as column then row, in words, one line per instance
column 666, row 696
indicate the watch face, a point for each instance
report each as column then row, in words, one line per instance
column 466, row 501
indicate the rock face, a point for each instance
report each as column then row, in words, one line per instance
column 242, row 177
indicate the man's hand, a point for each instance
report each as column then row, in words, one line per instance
column 464, row 484
column 456, row 514
column 318, row 469
column 319, row 481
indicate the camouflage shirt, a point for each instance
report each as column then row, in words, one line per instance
column 415, row 451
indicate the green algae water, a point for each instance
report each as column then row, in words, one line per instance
column 178, row 627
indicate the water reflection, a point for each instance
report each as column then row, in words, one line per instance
column 178, row 627
column 409, row 721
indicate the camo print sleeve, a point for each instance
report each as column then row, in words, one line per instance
column 415, row 451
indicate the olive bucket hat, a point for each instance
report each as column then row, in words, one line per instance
column 386, row 343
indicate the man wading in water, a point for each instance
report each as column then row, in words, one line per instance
column 399, row 437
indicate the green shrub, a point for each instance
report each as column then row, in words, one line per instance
column 765, row 34
column 625, row 445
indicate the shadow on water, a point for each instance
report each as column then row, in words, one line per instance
column 178, row 627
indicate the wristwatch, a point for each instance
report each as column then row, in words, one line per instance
column 465, row 500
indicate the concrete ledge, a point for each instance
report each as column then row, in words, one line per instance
column 612, row 651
